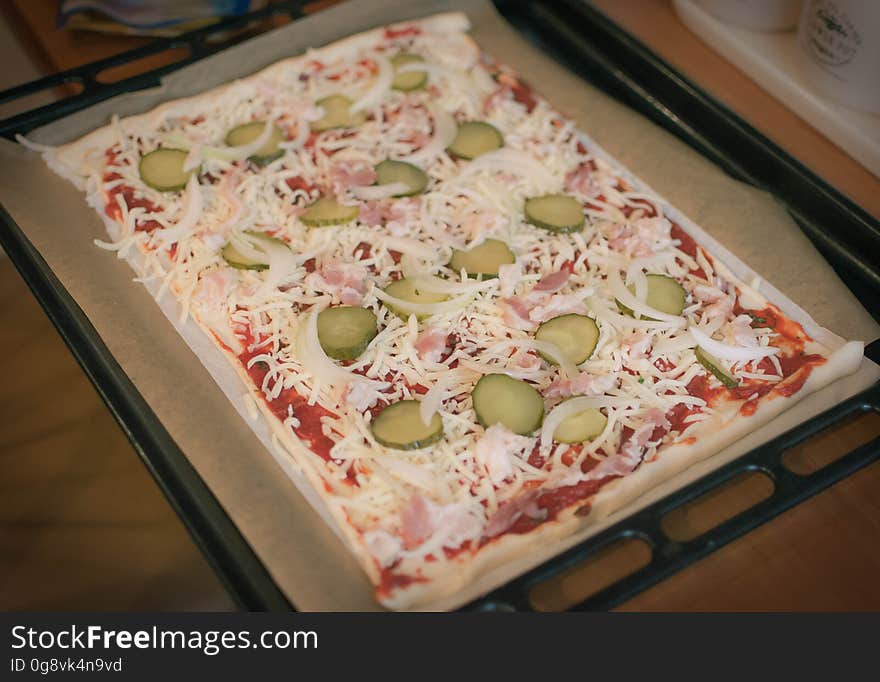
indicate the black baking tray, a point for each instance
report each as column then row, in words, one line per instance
column 585, row 41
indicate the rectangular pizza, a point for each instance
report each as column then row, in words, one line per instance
column 472, row 330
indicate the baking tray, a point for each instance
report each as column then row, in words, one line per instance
column 589, row 44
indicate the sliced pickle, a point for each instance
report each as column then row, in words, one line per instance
column 328, row 211
column 250, row 132
column 712, row 364
column 482, row 260
column 555, row 213
column 400, row 426
column 389, row 172
column 574, row 335
column 162, row 169
column 408, row 80
column 337, row 114
column 579, row 427
column 406, row 290
column 500, row 399
column 238, row 260
column 345, row 331
column 664, row 294
column 474, row 138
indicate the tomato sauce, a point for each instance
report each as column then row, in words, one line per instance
column 309, row 416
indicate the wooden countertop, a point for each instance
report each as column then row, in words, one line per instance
column 822, row 555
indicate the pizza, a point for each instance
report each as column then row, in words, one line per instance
column 472, row 330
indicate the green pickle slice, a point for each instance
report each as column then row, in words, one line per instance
column 400, row 426
column 500, row 399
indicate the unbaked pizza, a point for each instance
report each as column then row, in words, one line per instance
column 473, row 330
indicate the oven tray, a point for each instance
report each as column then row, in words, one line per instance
column 592, row 46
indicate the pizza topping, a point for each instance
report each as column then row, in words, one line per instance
column 400, row 426
column 730, row 352
column 328, row 211
column 344, row 332
column 664, row 301
column 404, row 298
column 407, row 74
column 249, row 251
column 344, row 281
column 431, row 344
column 338, row 113
column 443, row 133
column 500, row 399
column 583, row 383
column 484, row 260
column 474, row 138
column 249, row 135
column 571, row 409
column 162, row 169
column 714, row 365
column 407, row 178
column 555, row 212
column 574, row 335
column 378, row 89
column 495, row 449
column 553, row 282
column 580, row 426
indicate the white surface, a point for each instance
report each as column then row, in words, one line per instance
column 775, row 62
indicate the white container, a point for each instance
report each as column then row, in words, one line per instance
column 841, row 42
column 756, row 15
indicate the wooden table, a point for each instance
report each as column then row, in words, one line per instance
column 822, row 555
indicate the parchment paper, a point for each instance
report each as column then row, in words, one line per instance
column 307, row 560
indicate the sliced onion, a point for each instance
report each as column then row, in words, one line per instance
column 445, row 129
column 379, row 191
column 444, row 286
column 551, row 350
column 433, row 399
column 414, row 247
column 727, row 352
column 570, row 407
column 638, row 307
column 636, row 277
column 282, row 261
column 193, row 158
column 191, row 212
column 512, row 161
column 619, row 321
column 674, row 345
column 409, row 472
column 377, row 90
column 242, row 152
column 315, row 361
column 448, row 306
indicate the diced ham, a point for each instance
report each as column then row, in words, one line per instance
column 477, row 225
column 527, row 361
column 641, row 237
column 431, row 344
column 654, row 418
column 347, row 174
column 558, row 304
column 508, row 277
column 384, row 547
column 635, row 346
column 743, row 333
column 552, row 282
column 581, row 181
column 618, row 464
column 508, row 513
column 418, row 520
column 582, row 384
column 498, row 95
column 371, row 213
column 706, row 294
column 722, row 308
column 399, row 213
column 360, row 396
column 347, row 281
column 448, row 525
column 515, row 313
column 495, row 448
